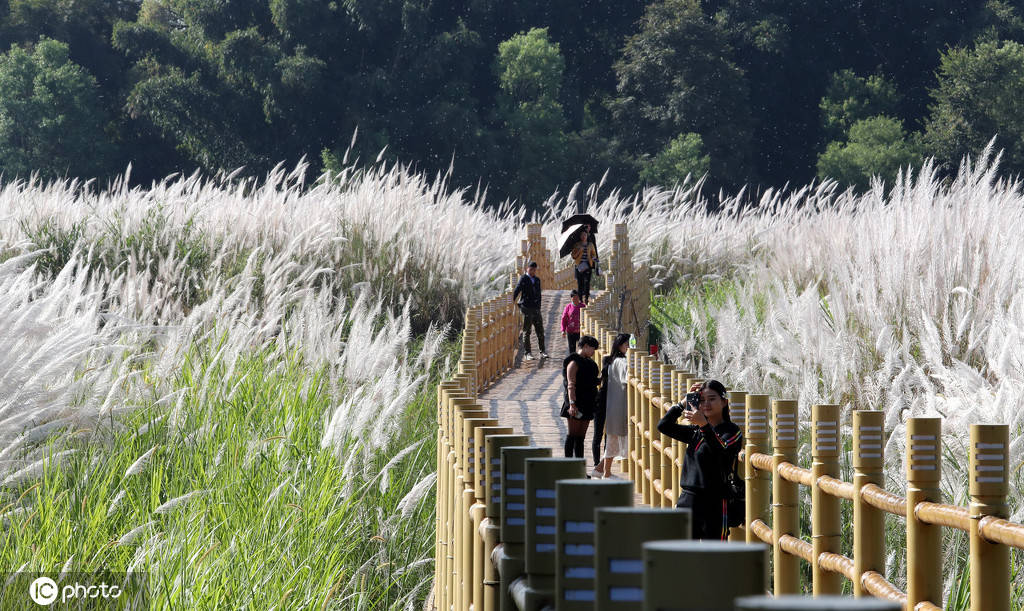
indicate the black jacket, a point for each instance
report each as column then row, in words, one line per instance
column 587, row 379
column 529, row 288
column 710, row 452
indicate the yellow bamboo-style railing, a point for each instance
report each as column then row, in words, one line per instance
column 467, row 575
column 773, row 480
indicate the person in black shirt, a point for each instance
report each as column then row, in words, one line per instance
column 580, row 375
column 528, row 294
column 713, row 443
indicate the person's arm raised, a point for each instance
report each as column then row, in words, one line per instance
column 668, row 425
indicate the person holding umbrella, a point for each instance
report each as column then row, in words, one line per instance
column 578, row 240
column 584, row 258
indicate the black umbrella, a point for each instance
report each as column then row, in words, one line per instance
column 570, row 236
column 580, row 219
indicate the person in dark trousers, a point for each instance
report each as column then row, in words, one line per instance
column 580, row 377
column 713, row 443
column 584, row 258
column 527, row 294
column 571, row 320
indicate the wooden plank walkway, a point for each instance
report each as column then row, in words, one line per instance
column 529, row 397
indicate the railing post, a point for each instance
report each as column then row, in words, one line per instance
column 444, row 391
column 645, row 429
column 989, row 473
column 668, row 566
column 492, row 500
column 669, row 482
column 633, row 421
column 653, row 380
column 868, row 521
column 482, row 524
column 924, row 541
column 513, row 517
column 460, row 406
column 737, row 413
column 472, row 546
column 657, row 462
column 758, row 483
column 678, row 447
column 621, row 533
column 785, row 497
column 576, row 500
column 826, row 527
column 541, row 476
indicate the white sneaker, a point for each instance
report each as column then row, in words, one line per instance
column 595, row 474
column 528, row 357
column 543, row 355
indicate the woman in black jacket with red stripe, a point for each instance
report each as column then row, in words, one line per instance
column 713, row 444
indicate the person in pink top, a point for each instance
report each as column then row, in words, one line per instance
column 571, row 320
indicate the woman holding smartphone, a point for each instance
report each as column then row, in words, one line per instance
column 580, row 375
column 713, row 444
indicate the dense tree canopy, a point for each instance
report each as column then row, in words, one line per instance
column 521, row 96
column 51, row 120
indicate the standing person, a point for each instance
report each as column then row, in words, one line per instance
column 529, row 289
column 612, row 409
column 580, row 376
column 584, row 257
column 713, row 443
column 571, row 320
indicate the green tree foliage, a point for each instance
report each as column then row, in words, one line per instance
column 676, row 76
column 980, row 94
column 529, row 68
column 681, row 158
column 876, row 146
column 218, row 84
column 851, row 98
column 51, row 119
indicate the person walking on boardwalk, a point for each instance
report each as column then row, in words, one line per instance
column 580, row 377
column 713, row 444
column 571, row 320
column 584, row 257
column 610, row 419
column 528, row 294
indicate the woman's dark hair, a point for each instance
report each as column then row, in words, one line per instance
column 589, row 340
column 574, row 293
column 719, row 388
column 621, row 338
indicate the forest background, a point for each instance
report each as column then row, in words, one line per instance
column 515, row 96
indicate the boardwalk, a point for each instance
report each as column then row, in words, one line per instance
column 528, row 397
